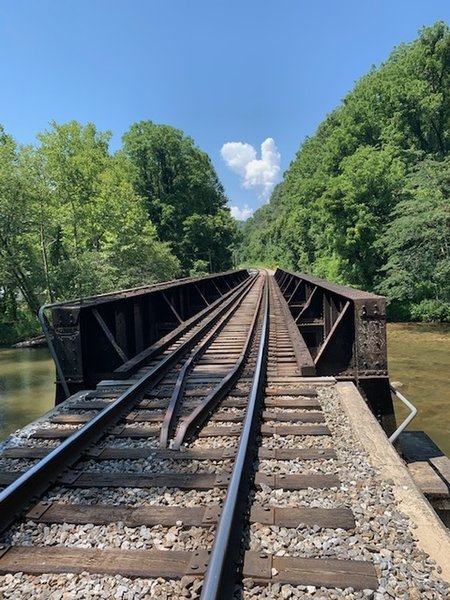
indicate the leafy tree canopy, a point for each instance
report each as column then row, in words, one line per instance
column 182, row 193
column 76, row 220
column 352, row 202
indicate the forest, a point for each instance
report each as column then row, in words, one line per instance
column 77, row 220
column 366, row 201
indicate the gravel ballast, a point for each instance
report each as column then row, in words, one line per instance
column 383, row 534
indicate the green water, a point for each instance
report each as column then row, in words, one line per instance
column 26, row 387
column 419, row 357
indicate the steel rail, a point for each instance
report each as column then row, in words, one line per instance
column 222, row 568
column 194, row 420
column 132, row 365
column 172, row 409
column 15, row 497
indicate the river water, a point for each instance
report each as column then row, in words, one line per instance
column 27, row 388
column 419, row 358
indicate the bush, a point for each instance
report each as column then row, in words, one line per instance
column 24, row 327
column 431, row 310
column 199, row 268
column 398, row 311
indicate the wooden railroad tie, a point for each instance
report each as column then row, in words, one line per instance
column 174, row 564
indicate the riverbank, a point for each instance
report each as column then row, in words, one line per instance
column 36, row 342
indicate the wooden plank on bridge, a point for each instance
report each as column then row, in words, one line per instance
column 318, row 572
column 130, row 516
column 171, row 564
column 427, row 479
column 442, row 466
column 295, row 417
column 52, row 433
column 292, row 516
column 295, row 430
column 25, row 452
column 182, row 481
column 296, row 402
column 296, row 453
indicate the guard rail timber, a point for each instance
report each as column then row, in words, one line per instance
column 104, row 336
column 345, row 332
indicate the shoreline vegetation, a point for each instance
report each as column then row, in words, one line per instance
column 78, row 220
column 366, row 200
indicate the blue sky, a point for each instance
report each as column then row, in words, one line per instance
column 223, row 71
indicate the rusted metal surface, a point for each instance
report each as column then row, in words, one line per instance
column 37, row 479
column 344, row 328
column 301, row 351
column 171, row 414
column 273, row 376
column 95, row 336
column 192, row 422
column 345, row 332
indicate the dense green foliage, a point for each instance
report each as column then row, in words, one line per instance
column 76, row 220
column 367, row 199
column 182, row 193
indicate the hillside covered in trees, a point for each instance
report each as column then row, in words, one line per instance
column 366, row 201
column 76, row 219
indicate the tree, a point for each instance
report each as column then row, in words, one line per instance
column 19, row 265
column 416, row 274
column 75, row 220
column 349, row 181
column 101, row 236
column 178, row 183
column 210, row 238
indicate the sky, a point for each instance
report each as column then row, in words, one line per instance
column 248, row 80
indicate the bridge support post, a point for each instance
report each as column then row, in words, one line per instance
column 377, row 393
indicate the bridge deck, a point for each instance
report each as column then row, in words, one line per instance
column 326, row 507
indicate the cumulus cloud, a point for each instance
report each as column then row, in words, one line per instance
column 256, row 173
column 237, row 156
column 241, row 214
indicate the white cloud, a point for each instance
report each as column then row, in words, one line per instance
column 257, row 173
column 241, row 214
column 237, row 156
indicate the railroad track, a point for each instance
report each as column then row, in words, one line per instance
column 185, row 475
